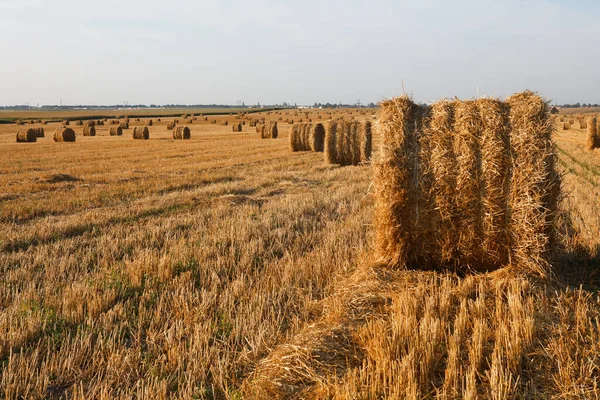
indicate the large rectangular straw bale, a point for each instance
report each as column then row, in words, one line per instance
column 466, row 185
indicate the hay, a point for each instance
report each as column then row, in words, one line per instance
column 566, row 126
column 90, row 123
column 273, row 131
column 39, row 131
column 347, row 142
column 64, row 134
column 89, row 130
column 224, row 123
column 366, row 139
column 294, row 145
column 466, row 185
column 237, row 127
column 141, row 132
column 181, row 132
column 149, row 122
column 116, row 131
column 26, row 135
column 100, row 122
column 317, row 137
column 124, row 125
column 592, row 134
column 170, row 125
column 330, row 149
column 78, row 123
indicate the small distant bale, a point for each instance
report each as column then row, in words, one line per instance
column 64, row 134
column 78, row 123
column 116, row 131
column 170, row 125
column 224, row 123
column 181, row 133
column 149, row 122
column 237, row 127
column 566, row 126
column 90, row 123
column 44, row 122
column 26, row 135
column 269, row 131
column 158, row 120
column 583, row 124
column 213, row 121
column 39, row 132
column 124, row 125
column 141, row 132
column 100, row 122
column 89, row 130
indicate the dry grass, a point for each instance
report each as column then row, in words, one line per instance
column 228, row 267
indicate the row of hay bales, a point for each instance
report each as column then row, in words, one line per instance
column 467, row 185
column 66, row 134
column 268, row 131
column 307, row 137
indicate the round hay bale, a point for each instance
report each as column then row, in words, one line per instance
column 89, row 130
column 26, row 135
column 39, row 132
column 124, row 125
column 90, row 123
column 64, row 134
column 181, row 132
column 224, row 123
column 78, row 123
column 116, row 131
column 158, row 120
column 237, row 127
column 100, row 122
column 149, row 122
column 170, row 125
column 141, row 132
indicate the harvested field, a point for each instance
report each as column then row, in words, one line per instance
column 225, row 266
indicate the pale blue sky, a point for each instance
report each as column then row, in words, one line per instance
column 199, row 52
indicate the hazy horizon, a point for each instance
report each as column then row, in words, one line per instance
column 211, row 52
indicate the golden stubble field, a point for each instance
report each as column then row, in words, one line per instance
column 228, row 267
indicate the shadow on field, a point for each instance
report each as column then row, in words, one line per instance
column 574, row 263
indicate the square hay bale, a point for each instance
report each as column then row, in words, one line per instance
column 593, row 138
column 347, row 142
column 466, row 185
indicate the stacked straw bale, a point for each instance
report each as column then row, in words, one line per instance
column 181, row 132
column 141, row 132
column 116, row 131
column 593, row 137
column 64, row 134
column 26, row 135
column 89, row 130
column 347, row 142
column 307, row 137
column 467, row 185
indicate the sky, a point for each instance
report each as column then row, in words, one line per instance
column 224, row 51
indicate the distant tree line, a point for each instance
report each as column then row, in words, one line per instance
column 578, row 105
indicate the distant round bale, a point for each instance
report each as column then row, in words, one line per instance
column 89, row 130
column 39, row 131
column 78, row 123
column 149, row 122
column 26, row 135
column 237, row 127
column 170, row 125
column 224, row 123
column 181, row 132
column 90, row 123
column 100, row 122
column 141, row 132
column 124, row 124
column 66, row 122
column 64, row 134
column 116, row 131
